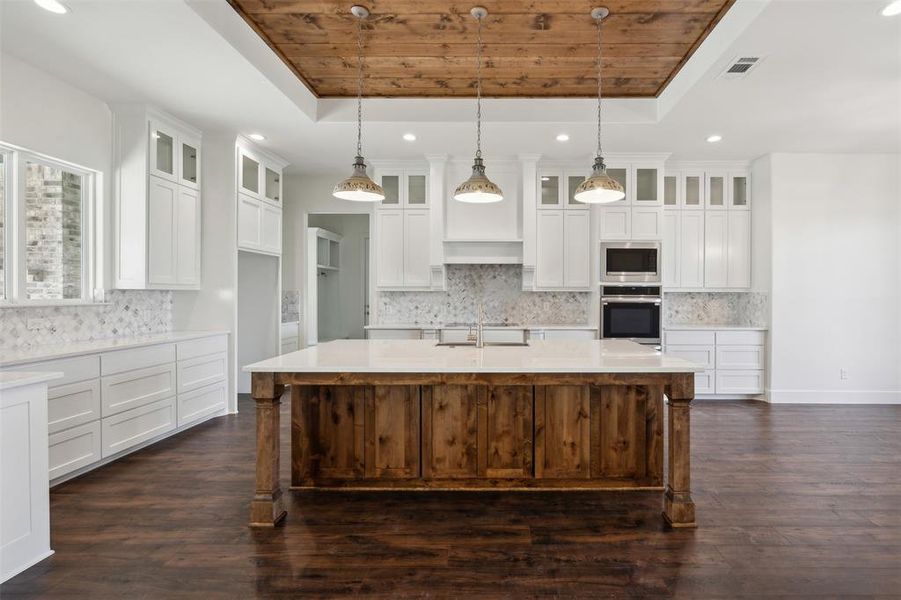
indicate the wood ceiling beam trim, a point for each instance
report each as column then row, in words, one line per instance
column 583, row 7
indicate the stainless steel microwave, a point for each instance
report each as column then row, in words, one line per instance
column 630, row 262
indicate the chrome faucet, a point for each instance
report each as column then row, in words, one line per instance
column 479, row 336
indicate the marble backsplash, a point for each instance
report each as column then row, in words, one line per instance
column 290, row 306
column 497, row 287
column 746, row 309
column 123, row 313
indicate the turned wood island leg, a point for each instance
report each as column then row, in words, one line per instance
column 678, row 507
column 268, row 505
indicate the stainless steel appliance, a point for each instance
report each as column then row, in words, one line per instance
column 632, row 312
column 630, row 262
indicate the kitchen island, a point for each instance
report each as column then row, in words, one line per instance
column 409, row 414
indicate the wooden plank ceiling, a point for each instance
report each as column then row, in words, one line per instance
column 533, row 48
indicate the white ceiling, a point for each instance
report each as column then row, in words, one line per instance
column 831, row 82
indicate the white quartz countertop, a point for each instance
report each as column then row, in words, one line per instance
column 11, row 357
column 440, row 326
column 17, row 379
column 708, row 327
column 423, row 356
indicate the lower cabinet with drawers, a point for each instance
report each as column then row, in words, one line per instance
column 109, row 403
column 734, row 359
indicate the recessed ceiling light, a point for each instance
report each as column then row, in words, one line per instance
column 715, row 138
column 545, row 178
column 410, row 137
column 892, row 9
column 257, row 137
column 53, row 6
column 562, row 137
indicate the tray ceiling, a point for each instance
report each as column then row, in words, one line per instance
column 533, row 48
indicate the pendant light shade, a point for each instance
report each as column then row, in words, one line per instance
column 359, row 187
column 478, row 189
column 599, row 188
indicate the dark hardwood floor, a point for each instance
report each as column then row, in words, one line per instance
column 792, row 501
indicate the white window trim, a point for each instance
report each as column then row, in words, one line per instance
column 15, row 226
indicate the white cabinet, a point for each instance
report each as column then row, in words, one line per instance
column 672, row 255
column 390, row 248
column 616, row 222
column 416, row 248
column 647, row 223
column 734, row 360
column 74, row 448
column 738, row 250
column 157, row 200
column 132, row 427
column 259, row 199
column 683, row 249
column 73, row 404
column 716, row 239
column 563, row 250
column 403, row 229
column 549, row 249
column 173, row 235
column 259, row 225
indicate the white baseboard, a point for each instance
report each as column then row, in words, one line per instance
column 833, row 397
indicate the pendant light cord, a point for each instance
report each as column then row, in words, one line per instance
column 600, row 152
column 479, row 91
column 360, row 86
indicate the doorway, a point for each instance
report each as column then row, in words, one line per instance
column 338, row 306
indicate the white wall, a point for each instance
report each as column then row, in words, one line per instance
column 341, row 310
column 44, row 114
column 305, row 194
column 836, row 278
column 259, row 312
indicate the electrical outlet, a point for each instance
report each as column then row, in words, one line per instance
column 843, row 373
column 37, row 323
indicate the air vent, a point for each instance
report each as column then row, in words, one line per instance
column 740, row 66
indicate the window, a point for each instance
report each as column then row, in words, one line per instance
column 45, row 222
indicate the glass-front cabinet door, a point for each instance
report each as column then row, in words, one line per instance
column 693, row 189
column 572, row 184
column 391, row 184
column 273, row 184
column 249, row 174
column 671, row 190
column 621, row 175
column 647, row 186
column 716, row 190
column 189, row 173
column 739, row 197
column 163, row 151
column 550, row 190
column 417, row 194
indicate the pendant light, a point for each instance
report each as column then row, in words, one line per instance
column 478, row 189
column 359, row 187
column 599, row 188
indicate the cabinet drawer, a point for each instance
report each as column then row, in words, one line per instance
column 125, row 391
column 740, row 357
column 200, row 403
column 703, row 355
column 130, row 428
column 79, row 368
column 73, row 404
column 739, row 382
column 690, row 338
column 138, row 358
column 201, row 371
column 73, row 449
column 740, row 338
column 705, row 382
column 202, row 347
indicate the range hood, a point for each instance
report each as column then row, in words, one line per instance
column 483, row 252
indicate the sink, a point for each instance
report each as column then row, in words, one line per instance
column 486, row 344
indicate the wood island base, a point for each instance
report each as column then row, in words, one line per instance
column 453, row 431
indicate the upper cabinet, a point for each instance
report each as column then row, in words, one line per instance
column 259, row 199
column 639, row 215
column 558, row 189
column 403, row 229
column 707, row 231
column 404, row 188
column 157, row 199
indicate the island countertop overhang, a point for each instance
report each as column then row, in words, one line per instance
column 423, row 356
